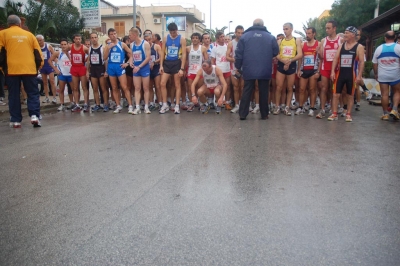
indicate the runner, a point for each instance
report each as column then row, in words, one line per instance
column 155, row 77
column 349, row 52
column 386, row 62
column 289, row 52
column 95, row 71
column 358, row 92
column 47, row 70
column 237, row 80
column 115, row 54
column 218, row 58
column 141, row 69
column 206, row 42
column 78, row 72
column 128, row 73
column 61, row 65
column 173, row 60
column 308, row 72
column 327, row 51
column 195, row 55
column 214, row 84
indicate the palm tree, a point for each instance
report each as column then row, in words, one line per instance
column 212, row 32
column 10, row 8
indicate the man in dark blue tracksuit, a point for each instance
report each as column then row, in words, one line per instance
column 253, row 56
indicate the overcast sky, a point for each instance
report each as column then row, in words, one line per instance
column 274, row 13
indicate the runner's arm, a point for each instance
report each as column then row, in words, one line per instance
column 335, row 63
column 162, row 54
column 205, row 54
column 223, row 83
column 299, row 51
column 183, row 59
column 360, row 53
column 195, row 81
column 52, row 59
column 229, row 53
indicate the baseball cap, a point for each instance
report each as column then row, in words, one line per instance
column 352, row 29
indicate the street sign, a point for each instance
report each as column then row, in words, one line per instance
column 90, row 10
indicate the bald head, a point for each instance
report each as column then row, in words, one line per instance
column 390, row 35
column 13, row 20
column 258, row 22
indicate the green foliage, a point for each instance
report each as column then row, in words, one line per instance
column 212, row 32
column 55, row 19
column 10, row 8
column 368, row 65
column 188, row 42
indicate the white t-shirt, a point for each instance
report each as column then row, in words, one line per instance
column 387, row 56
column 219, row 53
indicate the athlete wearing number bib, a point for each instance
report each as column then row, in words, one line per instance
column 78, row 68
column 173, row 54
column 219, row 53
column 195, row 60
column 115, row 59
column 97, row 68
column 310, row 60
column 46, row 69
column 156, row 67
column 211, row 80
column 330, row 48
column 64, row 65
column 346, row 74
column 287, row 50
column 139, row 56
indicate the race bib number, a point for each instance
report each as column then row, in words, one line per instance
column 346, row 60
column 115, row 57
column 210, row 81
column 137, row 56
column 153, row 59
column 66, row 63
column 95, row 59
column 172, row 51
column 194, row 67
column 77, row 58
column 309, row 60
column 287, row 51
column 223, row 59
column 44, row 55
column 330, row 55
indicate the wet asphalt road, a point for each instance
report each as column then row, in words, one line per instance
column 192, row 189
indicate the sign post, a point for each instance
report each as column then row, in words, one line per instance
column 90, row 10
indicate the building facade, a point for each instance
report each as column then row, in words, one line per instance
column 155, row 18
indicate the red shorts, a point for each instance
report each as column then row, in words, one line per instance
column 227, row 74
column 211, row 89
column 326, row 73
column 191, row 76
column 78, row 71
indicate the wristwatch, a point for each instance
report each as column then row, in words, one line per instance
column 182, row 69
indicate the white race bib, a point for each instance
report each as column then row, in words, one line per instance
column 77, row 58
column 95, row 59
column 137, row 56
column 287, row 51
column 66, row 63
column 330, row 55
column 115, row 57
column 346, row 60
column 153, row 59
column 44, row 55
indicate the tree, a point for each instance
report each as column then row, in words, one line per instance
column 212, row 32
column 10, row 8
column 40, row 19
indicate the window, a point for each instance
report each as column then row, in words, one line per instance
column 395, row 26
column 119, row 26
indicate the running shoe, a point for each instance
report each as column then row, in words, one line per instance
column 277, row 110
column 311, row 112
column 147, row 111
column 348, row 118
column 164, row 109
column 204, row 109
column 256, row 110
column 343, row 114
column 152, row 107
column 212, row 105
column 177, row 110
column 118, row 109
column 298, row 111
column 332, row 117
column 385, row 117
column 287, row 111
column 395, row 115
column 184, row 106
column 76, row 108
column 228, row 106
column 130, row 109
column 15, row 125
column 54, row 101
column 85, row 108
column 61, row 108
column 235, row 109
column 2, row 103
column 96, row 108
column 358, row 107
column 321, row 114
column 137, row 111
column 71, row 106
column 218, row 110
column 106, row 108
column 46, row 100
column 35, row 121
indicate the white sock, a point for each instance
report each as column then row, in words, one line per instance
column 257, row 105
column 165, row 105
column 151, row 103
column 210, row 100
column 137, row 106
column 146, row 106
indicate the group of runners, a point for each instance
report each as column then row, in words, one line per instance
column 152, row 74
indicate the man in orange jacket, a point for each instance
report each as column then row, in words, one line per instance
column 20, row 58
